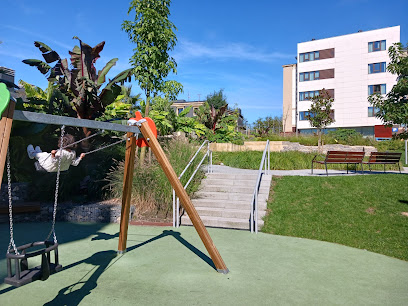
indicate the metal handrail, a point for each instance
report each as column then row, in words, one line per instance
column 266, row 164
column 176, row 201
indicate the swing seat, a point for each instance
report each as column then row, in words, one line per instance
column 22, row 273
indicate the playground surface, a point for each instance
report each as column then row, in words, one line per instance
column 169, row 266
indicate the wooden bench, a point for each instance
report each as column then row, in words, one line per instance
column 384, row 158
column 341, row 157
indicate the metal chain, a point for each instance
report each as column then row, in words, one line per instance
column 104, row 147
column 57, row 189
column 11, row 244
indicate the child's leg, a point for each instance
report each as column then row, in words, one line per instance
column 30, row 151
column 41, row 156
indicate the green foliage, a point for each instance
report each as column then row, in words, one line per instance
column 320, row 110
column 393, row 109
column 217, row 99
column 347, row 137
column 151, row 191
column 320, row 113
column 153, row 33
column 290, row 160
column 267, row 126
column 81, row 85
column 343, row 210
column 50, row 101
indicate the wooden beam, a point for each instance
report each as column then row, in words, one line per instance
column 127, row 191
column 5, row 130
column 69, row 121
column 185, row 199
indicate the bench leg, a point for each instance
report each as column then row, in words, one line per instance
column 312, row 167
column 399, row 168
column 327, row 173
column 347, row 168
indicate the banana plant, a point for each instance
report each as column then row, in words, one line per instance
column 81, row 83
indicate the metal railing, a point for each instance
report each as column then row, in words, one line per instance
column 263, row 167
column 176, row 201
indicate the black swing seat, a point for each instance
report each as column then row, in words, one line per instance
column 22, row 274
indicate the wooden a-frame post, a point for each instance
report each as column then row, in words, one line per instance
column 127, row 190
column 181, row 193
column 5, row 130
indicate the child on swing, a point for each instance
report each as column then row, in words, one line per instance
column 49, row 161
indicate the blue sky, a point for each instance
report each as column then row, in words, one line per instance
column 239, row 46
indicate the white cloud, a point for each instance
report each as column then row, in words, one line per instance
column 189, row 50
column 47, row 40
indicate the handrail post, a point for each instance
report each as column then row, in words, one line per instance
column 178, row 212
column 256, row 213
column 269, row 157
column 208, row 152
column 174, row 208
column 211, row 163
column 252, row 215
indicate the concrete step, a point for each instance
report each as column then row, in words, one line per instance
column 233, row 189
column 228, row 196
column 236, row 176
column 223, row 222
column 227, row 212
column 235, row 182
column 227, row 204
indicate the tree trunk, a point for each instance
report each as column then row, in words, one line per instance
column 146, row 114
column 319, row 142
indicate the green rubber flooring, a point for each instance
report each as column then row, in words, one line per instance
column 166, row 266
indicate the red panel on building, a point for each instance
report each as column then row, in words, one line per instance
column 382, row 131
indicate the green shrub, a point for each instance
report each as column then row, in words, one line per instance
column 151, row 190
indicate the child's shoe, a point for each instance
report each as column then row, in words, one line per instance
column 30, row 151
column 38, row 149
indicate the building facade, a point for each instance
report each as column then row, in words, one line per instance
column 350, row 68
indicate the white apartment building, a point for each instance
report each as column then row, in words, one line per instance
column 350, row 67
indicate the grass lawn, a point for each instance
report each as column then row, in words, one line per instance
column 359, row 211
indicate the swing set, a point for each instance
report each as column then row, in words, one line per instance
column 139, row 132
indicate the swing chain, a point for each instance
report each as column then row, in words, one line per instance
column 57, row 189
column 12, row 243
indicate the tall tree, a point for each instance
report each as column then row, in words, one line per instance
column 217, row 99
column 153, row 33
column 320, row 113
column 393, row 108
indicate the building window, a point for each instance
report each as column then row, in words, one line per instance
column 376, row 67
column 307, row 95
column 309, row 76
column 376, row 46
column 179, row 110
column 309, row 56
column 372, row 111
column 195, row 109
column 378, row 88
column 303, row 116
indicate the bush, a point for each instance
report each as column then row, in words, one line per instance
column 151, row 190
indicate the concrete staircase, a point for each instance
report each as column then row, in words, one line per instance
column 225, row 198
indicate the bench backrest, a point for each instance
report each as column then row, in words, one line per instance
column 344, row 157
column 385, row 157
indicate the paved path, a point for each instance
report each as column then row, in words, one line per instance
column 166, row 266
column 304, row 172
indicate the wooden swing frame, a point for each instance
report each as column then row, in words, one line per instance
column 5, row 129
